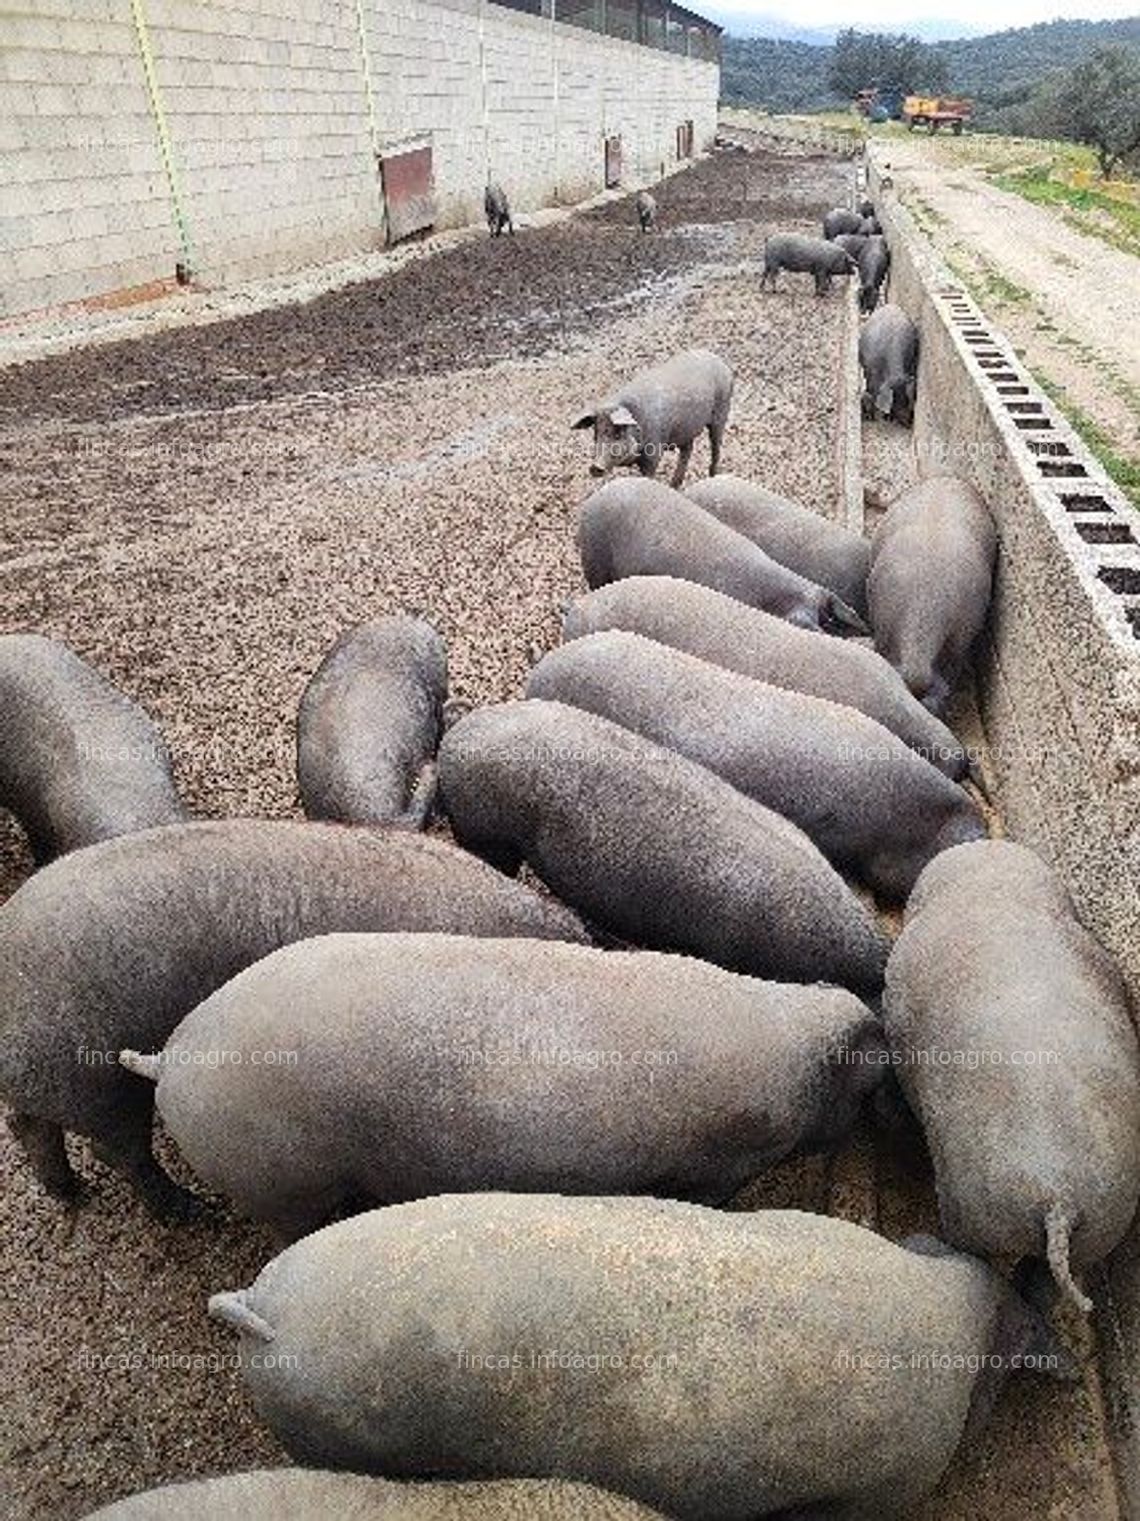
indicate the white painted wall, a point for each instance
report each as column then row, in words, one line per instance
column 272, row 136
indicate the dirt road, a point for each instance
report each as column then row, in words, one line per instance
column 1069, row 302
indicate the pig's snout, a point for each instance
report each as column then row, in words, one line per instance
column 597, row 467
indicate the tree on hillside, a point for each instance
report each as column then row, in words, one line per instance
column 885, row 61
column 1098, row 103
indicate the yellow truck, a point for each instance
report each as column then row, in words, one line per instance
column 934, row 111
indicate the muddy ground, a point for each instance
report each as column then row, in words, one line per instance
column 200, row 513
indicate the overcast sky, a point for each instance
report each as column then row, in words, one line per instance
column 977, row 15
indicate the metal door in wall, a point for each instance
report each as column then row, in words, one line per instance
column 613, row 162
column 409, row 188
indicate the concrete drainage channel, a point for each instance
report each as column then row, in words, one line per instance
column 1058, row 697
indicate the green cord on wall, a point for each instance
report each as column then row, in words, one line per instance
column 142, row 36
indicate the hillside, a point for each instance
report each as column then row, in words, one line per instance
column 997, row 71
column 776, row 73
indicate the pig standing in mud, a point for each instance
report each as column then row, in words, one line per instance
column 79, row 761
column 871, row 805
column 874, row 261
column 932, row 565
column 729, row 1366
column 646, row 210
column 638, row 528
column 888, row 357
column 807, row 542
column 840, row 219
column 369, row 723
column 652, row 846
column 805, row 256
column 388, row 1029
column 659, row 409
column 1036, row 1140
column 720, row 629
column 497, row 211
column 111, row 946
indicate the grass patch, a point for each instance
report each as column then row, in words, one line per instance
column 1124, row 469
column 994, row 286
column 1113, row 218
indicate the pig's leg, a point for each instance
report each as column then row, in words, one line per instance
column 42, row 1142
column 422, row 799
column 647, row 461
column 128, row 1150
column 683, row 455
column 716, row 436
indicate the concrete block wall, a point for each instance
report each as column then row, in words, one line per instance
column 1060, row 675
column 272, row 128
column 84, row 208
column 266, row 108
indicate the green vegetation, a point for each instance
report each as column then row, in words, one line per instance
column 1112, row 218
column 1000, row 73
column 778, row 75
column 1097, row 102
column 1124, row 469
column 866, row 60
column 992, row 288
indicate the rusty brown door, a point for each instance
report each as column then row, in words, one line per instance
column 613, row 162
column 409, row 189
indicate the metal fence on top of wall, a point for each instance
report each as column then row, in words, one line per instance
column 653, row 23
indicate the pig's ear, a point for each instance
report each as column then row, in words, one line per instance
column 584, row 420
column 622, row 417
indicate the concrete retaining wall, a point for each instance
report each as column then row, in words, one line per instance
column 251, row 147
column 1060, row 677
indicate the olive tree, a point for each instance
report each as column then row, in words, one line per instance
column 1098, row 103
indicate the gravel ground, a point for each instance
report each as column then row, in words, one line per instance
column 199, row 514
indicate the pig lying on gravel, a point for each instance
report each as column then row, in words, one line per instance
column 839, row 219
column 652, row 846
column 79, row 761
column 497, row 210
column 659, row 409
column 888, row 357
column 932, row 563
column 369, row 723
column 805, row 541
column 871, row 805
column 874, row 261
column 1036, row 1157
column 805, row 256
column 638, row 528
column 514, row 1064
column 304, row 1494
column 719, row 1366
column 646, row 210
column 720, row 629
column 113, row 945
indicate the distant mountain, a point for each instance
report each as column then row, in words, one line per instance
column 997, row 71
column 739, row 23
